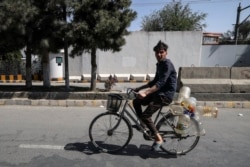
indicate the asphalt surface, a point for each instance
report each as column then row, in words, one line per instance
column 34, row 136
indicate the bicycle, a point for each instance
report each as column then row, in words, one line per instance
column 111, row 131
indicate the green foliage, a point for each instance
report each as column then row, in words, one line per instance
column 33, row 22
column 243, row 35
column 244, row 30
column 174, row 17
column 100, row 24
column 14, row 15
column 14, row 56
column 39, row 24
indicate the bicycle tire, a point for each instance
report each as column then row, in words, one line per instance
column 105, row 140
column 174, row 143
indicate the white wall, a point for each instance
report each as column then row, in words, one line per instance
column 185, row 50
column 225, row 55
column 137, row 56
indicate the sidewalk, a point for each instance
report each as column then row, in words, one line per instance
column 98, row 99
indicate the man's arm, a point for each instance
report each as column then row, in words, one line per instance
column 141, row 87
column 143, row 94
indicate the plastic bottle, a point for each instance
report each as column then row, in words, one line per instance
column 177, row 109
column 208, row 111
column 189, row 104
column 182, row 124
column 184, row 93
column 201, row 131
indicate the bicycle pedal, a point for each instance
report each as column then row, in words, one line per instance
column 136, row 127
column 147, row 135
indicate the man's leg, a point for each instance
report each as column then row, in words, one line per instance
column 137, row 103
column 147, row 116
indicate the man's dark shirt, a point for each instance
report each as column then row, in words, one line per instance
column 165, row 79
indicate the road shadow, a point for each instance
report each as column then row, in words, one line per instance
column 144, row 151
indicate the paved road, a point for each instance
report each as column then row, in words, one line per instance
column 37, row 137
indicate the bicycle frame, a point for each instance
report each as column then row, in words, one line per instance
column 133, row 116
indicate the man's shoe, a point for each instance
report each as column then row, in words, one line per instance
column 156, row 146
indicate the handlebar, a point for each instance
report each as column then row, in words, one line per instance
column 131, row 91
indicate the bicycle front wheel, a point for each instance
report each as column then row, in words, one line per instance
column 178, row 144
column 109, row 132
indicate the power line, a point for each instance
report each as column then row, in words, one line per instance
column 143, row 4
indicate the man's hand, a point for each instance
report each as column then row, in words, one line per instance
column 141, row 95
column 137, row 89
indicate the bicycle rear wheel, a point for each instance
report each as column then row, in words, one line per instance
column 109, row 132
column 174, row 143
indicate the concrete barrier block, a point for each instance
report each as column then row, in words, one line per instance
column 240, row 78
column 75, row 78
column 2, row 102
column 150, row 77
column 240, row 86
column 53, row 103
column 208, row 85
column 138, row 77
column 86, row 77
column 246, row 104
column 205, row 72
column 122, row 77
column 240, row 73
column 205, row 79
column 103, row 77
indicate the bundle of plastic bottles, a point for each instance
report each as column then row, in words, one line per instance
column 186, row 108
column 190, row 105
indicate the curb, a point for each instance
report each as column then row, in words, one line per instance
column 102, row 103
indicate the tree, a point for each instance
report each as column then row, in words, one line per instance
column 35, row 26
column 244, row 30
column 43, row 28
column 100, row 25
column 13, row 30
column 243, row 36
column 174, row 17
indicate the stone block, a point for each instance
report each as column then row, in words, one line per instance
column 150, row 77
column 122, row 77
column 103, row 77
column 86, row 77
column 205, row 79
column 138, row 77
column 240, row 78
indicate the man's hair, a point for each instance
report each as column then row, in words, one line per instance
column 160, row 45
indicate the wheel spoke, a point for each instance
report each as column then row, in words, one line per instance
column 109, row 133
column 177, row 143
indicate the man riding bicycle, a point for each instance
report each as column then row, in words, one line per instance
column 160, row 91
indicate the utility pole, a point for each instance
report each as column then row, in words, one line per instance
column 237, row 25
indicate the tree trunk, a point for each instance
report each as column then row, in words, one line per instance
column 28, row 60
column 46, row 68
column 93, row 69
column 66, row 54
column 28, row 68
column 66, row 59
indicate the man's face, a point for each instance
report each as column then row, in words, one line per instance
column 160, row 55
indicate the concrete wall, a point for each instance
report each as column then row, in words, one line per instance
column 225, row 55
column 137, row 56
column 185, row 50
